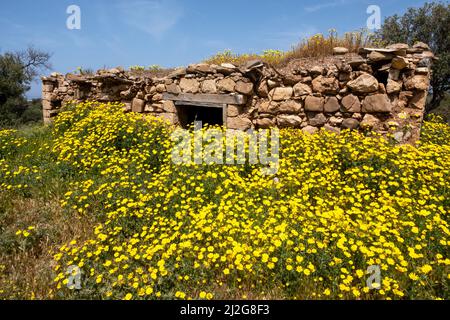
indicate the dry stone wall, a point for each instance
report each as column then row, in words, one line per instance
column 384, row 90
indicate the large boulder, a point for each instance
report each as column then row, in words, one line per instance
column 314, row 104
column 365, row 83
column 325, row 85
column 376, row 103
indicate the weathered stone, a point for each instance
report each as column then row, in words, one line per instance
column 380, row 56
column 325, row 85
column 263, row 90
column 272, row 84
column 365, row 83
column 209, row 86
column 239, row 123
column 418, row 100
column 200, row 68
column 369, row 121
column 160, row 87
column 226, row 85
column 399, row 63
column 418, row 82
column 189, row 85
column 244, row 87
column 280, row 93
column 173, row 88
column 169, row 106
column 350, row 123
column 339, row 50
column 157, row 97
column 264, row 123
column 393, row 86
column 316, row 70
column 314, row 104
column 310, row 129
column 398, row 46
column 421, row 45
column 177, row 73
column 404, row 97
column 356, row 62
column 376, row 103
column 291, row 121
column 301, row 89
column 269, row 107
column 291, row 80
column 331, row 105
column 317, row 120
column 350, row 103
column 234, row 110
column 137, row 105
column 290, row 106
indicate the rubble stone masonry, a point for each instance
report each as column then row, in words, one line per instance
column 384, row 90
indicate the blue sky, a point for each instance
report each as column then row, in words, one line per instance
column 172, row 33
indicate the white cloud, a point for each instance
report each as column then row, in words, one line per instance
column 152, row 17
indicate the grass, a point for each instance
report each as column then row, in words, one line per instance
column 316, row 46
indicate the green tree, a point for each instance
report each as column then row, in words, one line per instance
column 429, row 24
column 17, row 71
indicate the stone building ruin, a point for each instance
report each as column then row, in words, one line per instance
column 384, row 90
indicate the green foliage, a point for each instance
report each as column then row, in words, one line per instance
column 137, row 68
column 17, row 70
column 429, row 24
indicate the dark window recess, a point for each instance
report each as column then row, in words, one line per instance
column 208, row 115
column 382, row 77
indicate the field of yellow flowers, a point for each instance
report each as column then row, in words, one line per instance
column 138, row 226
